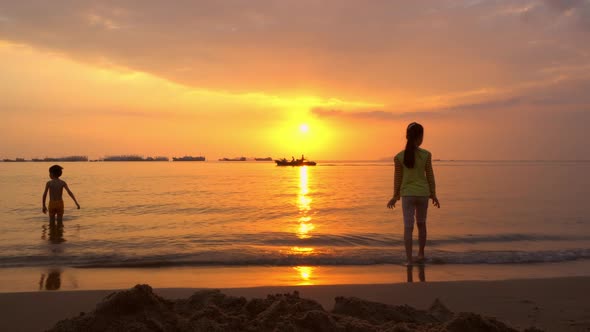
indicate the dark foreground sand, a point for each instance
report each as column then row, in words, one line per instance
column 559, row 304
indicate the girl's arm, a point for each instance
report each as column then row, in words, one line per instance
column 430, row 176
column 397, row 178
column 431, row 182
column 397, row 183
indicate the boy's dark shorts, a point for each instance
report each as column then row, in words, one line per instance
column 56, row 207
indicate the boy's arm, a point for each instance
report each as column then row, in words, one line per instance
column 45, row 197
column 71, row 194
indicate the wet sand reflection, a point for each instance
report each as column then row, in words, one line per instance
column 421, row 273
column 54, row 234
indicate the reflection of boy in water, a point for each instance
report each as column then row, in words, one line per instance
column 53, row 281
column 56, row 233
column 55, row 188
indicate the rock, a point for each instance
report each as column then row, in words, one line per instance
column 379, row 313
column 439, row 311
column 467, row 321
column 139, row 309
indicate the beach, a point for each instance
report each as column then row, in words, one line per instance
column 553, row 304
column 324, row 232
column 296, row 166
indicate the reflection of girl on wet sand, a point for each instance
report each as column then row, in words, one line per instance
column 414, row 184
column 421, row 273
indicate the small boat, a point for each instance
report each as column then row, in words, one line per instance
column 295, row 162
column 263, row 159
column 189, row 158
column 233, row 159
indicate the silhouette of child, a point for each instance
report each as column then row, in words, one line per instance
column 55, row 187
column 414, row 183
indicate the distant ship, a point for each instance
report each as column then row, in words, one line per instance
column 263, row 159
column 233, row 159
column 189, row 158
column 160, row 158
column 295, row 162
column 69, row 158
column 134, row 158
column 20, row 160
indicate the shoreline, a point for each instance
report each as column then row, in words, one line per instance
column 52, row 278
column 552, row 304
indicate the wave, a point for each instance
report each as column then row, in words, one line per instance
column 358, row 239
column 242, row 257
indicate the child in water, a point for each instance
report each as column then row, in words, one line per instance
column 414, row 183
column 55, row 186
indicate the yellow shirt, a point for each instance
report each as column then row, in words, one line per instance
column 417, row 181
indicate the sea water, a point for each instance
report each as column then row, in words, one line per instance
column 168, row 214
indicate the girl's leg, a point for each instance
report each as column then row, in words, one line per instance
column 421, row 240
column 408, row 243
column 409, row 209
column 421, row 211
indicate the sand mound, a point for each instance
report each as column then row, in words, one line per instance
column 139, row 309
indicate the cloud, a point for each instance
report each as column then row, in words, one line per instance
column 377, row 115
column 374, row 50
column 383, row 115
column 561, row 97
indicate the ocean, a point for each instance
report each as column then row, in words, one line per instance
column 248, row 214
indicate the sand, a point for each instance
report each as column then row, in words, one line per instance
column 557, row 304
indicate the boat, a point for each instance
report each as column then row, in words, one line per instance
column 158, row 158
column 233, row 159
column 60, row 159
column 263, row 159
column 295, row 162
column 189, row 158
column 134, row 158
column 124, row 158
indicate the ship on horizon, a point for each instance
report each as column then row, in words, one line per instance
column 295, row 162
column 59, row 159
column 189, row 158
column 263, row 159
column 134, row 158
column 233, row 159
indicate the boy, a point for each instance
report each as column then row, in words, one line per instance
column 55, row 187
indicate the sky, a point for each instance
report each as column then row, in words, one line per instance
column 493, row 80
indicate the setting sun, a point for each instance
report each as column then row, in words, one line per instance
column 304, row 128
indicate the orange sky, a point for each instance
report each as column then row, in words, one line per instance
column 487, row 79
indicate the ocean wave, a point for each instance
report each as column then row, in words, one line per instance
column 241, row 257
column 366, row 239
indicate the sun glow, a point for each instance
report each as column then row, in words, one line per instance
column 304, row 204
column 305, row 274
column 304, row 128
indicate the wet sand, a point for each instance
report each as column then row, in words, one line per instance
column 552, row 304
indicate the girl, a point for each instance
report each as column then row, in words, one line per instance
column 414, row 183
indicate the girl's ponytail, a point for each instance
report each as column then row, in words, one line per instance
column 414, row 131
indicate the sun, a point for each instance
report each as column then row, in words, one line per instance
column 304, row 128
